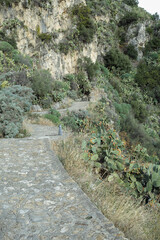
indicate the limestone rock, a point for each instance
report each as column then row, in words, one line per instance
column 36, row 108
column 137, row 36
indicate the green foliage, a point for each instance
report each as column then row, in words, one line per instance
column 114, row 58
column 85, row 25
column 105, row 151
column 131, row 3
column 89, row 67
column 64, row 47
column 5, row 47
column 14, row 101
column 140, row 110
column 45, row 36
column 76, row 120
column 59, row 90
column 131, row 51
column 72, row 94
column 152, row 45
column 123, row 110
column 8, row 3
column 53, row 116
column 83, row 83
column 12, row 23
column 72, row 81
column 11, row 40
column 79, row 82
column 148, row 78
column 41, row 83
column 129, row 18
column 21, row 59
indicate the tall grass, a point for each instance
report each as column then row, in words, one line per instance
column 137, row 221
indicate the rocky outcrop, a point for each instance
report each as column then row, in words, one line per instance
column 137, row 36
column 55, row 20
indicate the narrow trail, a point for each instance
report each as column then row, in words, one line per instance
column 39, row 200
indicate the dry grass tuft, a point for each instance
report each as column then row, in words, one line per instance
column 132, row 218
column 36, row 119
column 26, row 126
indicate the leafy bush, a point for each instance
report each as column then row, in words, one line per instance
column 152, row 45
column 136, row 131
column 76, row 120
column 53, row 116
column 60, row 90
column 21, row 59
column 72, row 94
column 123, row 110
column 16, row 78
column 131, row 51
column 14, row 101
column 8, row 3
column 148, row 78
column 114, row 58
column 140, row 110
column 85, row 25
column 6, row 47
column 83, row 83
column 72, row 81
column 11, row 40
column 128, row 18
column 89, row 67
column 41, row 83
column 46, row 37
column 46, row 101
column 131, row 3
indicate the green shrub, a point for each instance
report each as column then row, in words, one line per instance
column 60, row 86
column 6, row 47
column 131, row 3
column 72, row 81
column 83, row 83
column 123, row 110
column 8, row 3
column 11, row 40
column 60, row 90
column 46, row 37
column 85, row 25
column 14, row 101
column 131, row 51
column 148, row 78
column 139, row 110
column 136, row 131
column 114, row 58
column 53, row 116
column 46, row 101
column 152, row 45
column 41, row 83
column 129, row 18
column 72, row 94
column 89, row 67
column 76, row 120
column 21, row 59
column 64, row 47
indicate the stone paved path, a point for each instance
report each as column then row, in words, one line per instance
column 38, row 199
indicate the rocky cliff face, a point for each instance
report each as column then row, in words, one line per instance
column 54, row 20
column 31, row 24
column 137, row 36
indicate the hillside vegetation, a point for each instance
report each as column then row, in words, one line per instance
column 121, row 132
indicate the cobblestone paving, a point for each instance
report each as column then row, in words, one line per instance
column 38, row 199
